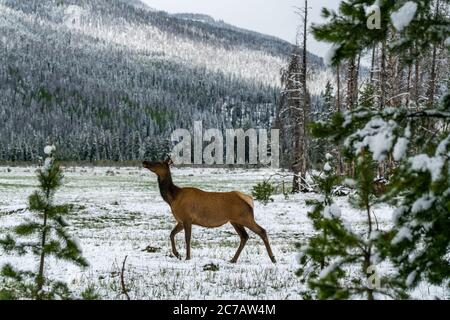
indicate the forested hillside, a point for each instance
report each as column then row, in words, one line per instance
column 108, row 80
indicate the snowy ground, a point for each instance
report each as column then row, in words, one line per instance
column 119, row 212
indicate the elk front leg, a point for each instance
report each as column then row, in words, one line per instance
column 187, row 234
column 244, row 237
column 174, row 232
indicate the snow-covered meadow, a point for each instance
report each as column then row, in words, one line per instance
column 118, row 212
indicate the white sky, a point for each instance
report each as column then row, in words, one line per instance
column 272, row 17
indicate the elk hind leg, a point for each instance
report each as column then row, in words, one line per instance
column 244, row 237
column 263, row 234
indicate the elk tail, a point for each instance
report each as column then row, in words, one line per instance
column 248, row 199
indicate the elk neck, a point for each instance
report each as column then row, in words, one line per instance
column 167, row 188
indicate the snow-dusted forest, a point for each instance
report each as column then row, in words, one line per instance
column 103, row 78
column 359, row 208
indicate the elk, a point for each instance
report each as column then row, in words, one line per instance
column 191, row 206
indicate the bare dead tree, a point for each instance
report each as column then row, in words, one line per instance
column 301, row 136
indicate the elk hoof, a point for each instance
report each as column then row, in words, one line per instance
column 177, row 255
column 233, row 261
column 273, row 259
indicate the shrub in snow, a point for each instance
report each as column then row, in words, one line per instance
column 263, row 192
column 49, row 237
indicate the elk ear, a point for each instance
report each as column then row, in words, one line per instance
column 169, row 161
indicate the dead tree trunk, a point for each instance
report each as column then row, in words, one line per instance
column 432, row 83
column 383, row 76
column 301, row 136
column 305, row 101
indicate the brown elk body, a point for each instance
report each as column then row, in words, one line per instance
column 192, row 206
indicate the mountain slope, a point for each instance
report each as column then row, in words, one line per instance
column 108, row 80
column 138, row 4
column 282, row 45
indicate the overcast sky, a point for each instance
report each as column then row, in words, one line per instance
column 273, row 17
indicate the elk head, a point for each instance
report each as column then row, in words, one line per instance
column 160, row 168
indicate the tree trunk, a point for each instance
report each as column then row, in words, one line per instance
column 305, row 99
column 351, row 83
column 383, row 76
column 301, row 156
column 356, row 83
column 416, row 83
column 40, row 278
column 408, row 86
column 372, row 66
column 338, row 109
column 432, row 84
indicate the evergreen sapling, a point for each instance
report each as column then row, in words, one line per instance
column 48, row 231
column 339, row 262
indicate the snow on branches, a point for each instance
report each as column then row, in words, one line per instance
column 403, row 17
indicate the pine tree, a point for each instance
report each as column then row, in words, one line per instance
column 325, row 110
column 367, row 97
column 49, row 228
column 328, row 101
column 313, row 257
column 418, row 242
column 338, row 262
